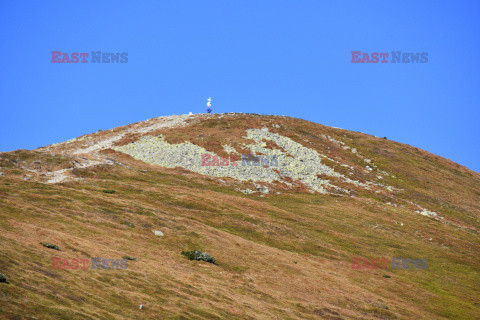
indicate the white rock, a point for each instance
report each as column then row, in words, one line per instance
column 158, row 233
column 428, row 213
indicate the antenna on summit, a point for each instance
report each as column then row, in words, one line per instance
column 209, row 105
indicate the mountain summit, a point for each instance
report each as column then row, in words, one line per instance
column 282, row 218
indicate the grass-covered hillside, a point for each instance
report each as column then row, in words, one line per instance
column 281, row 248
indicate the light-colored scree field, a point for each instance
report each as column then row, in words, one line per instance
column 297, row 162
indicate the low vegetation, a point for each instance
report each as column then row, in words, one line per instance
column 199, row 256
column 129, row 258
column 50, row 246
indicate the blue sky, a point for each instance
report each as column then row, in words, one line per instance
column 270, row 57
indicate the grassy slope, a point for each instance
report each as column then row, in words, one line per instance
column 284, row 255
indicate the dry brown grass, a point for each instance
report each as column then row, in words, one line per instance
column 284, row 256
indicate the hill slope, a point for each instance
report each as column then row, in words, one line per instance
column 283, row 232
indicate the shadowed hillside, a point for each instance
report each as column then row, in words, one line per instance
column 310, row 235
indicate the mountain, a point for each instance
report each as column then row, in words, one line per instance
column 301, row 220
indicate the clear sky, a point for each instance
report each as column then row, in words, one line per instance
column 270, row 57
